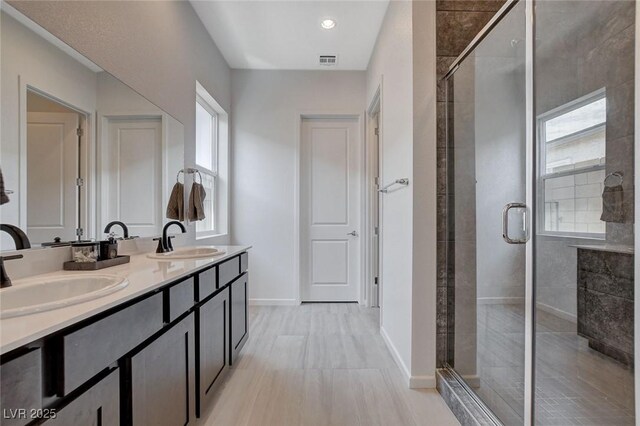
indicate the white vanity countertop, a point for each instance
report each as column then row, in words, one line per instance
column 144, row 275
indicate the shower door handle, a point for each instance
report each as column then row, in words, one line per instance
column 505, row 223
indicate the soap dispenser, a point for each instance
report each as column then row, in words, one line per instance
column 109, row 248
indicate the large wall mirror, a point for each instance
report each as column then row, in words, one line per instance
column 79, row 148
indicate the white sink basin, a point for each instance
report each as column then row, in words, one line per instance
column 33, row 295
column 188, row 253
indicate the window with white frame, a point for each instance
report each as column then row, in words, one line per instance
column 207, row 135
column 572, row 154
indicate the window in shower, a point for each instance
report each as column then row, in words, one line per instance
column 572, row 153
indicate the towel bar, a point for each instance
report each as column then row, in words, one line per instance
column 403, row 182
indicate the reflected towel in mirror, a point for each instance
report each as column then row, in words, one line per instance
column 4, row 198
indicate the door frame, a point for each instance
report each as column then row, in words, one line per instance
column 358, row 116
column 87, row 156
column 375, row 108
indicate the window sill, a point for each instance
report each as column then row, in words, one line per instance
column 601, row 237
column 208, row 236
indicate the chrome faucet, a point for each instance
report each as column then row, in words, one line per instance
column 5, row 281
column 164, row 243
column 107, row 228
column 20, row 239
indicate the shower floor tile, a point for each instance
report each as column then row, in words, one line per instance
column 575, row 385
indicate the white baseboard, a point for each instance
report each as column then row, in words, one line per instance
column 422, row 382
column 396, row 356
column 273, row 302
column 413, row 382
column 518, row 300
column 557, row 312
column 500, row 300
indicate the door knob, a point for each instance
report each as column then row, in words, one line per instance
column 353, row 233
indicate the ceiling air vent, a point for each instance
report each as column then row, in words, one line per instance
column 328, row 60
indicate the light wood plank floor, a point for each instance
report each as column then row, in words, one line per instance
column 320, row 364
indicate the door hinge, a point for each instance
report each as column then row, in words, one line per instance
column 375, row 230
column 375, row 280
column 79, row 131
column 376, row 131
column 79, row 182
column 376, row 181
column 79, row 232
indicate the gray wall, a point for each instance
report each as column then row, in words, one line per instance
column 581, row 50
column 266, row 110
column 159, row 48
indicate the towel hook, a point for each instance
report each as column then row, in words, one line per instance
column 618, row 175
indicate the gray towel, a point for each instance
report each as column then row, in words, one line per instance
column 196, row 202
column 175, row 207
column 4, row 198
column 612, row 204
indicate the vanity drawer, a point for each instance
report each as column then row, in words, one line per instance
column 207, row 283
column 21, row 387
column 228, row 271
column 93, row 348
column 181, row 298
column 244, row 262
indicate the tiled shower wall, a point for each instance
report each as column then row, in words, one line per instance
column 457, row 23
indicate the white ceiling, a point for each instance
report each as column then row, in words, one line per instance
column 287, row 34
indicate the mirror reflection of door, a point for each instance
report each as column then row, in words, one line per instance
column 53, row 158
column 133, row 173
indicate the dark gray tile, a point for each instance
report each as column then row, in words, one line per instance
column 441, row 131
column 609, row 320
column 606, row 283
column 455, row 30
column 441, row 310
column 470, row 5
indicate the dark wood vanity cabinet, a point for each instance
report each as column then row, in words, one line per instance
column 163, row 378
column 239, row 295
column 157, row 360
column 21, row 387
column 212, row 319
column 97, row 406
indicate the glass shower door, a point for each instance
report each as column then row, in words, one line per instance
column 584, row 117
column 488, row 218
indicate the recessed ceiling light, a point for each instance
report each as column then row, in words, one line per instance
column 327, row 24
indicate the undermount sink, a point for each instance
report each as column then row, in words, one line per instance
column 33, row 295
column 187, row 253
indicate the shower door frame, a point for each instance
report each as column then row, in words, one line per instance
column 530, row 198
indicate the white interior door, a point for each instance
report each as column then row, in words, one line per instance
column 330, row 210
column 132, row 172
column 52, row 169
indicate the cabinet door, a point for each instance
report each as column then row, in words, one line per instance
column 238, row 315
column 163, row 378
column 213, row 334
column 98, row 406
column 21, row 388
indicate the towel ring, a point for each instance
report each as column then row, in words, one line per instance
column 613, row 175
column 190, row 171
